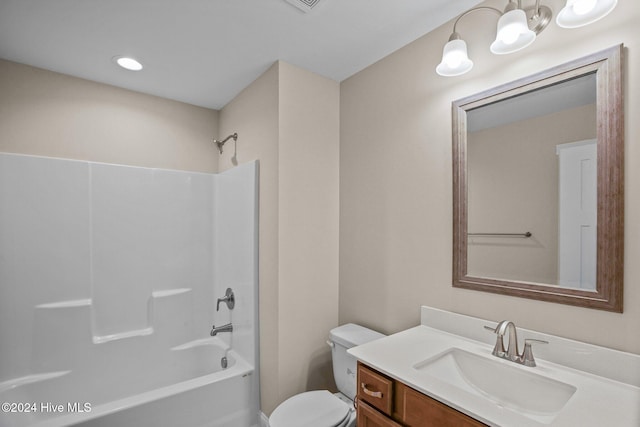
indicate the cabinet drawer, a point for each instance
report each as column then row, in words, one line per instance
column 375, row 389
column 415, row 409
column 369, row 417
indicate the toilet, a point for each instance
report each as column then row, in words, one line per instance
column 321, row 408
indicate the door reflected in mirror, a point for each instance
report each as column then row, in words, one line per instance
column 538, row 203
column 532, row 186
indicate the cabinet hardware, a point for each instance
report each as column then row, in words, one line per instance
column 376, row 394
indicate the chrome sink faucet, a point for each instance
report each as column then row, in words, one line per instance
column 512, row 349
column 512, row 353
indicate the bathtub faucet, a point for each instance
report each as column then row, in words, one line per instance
column 224, row 328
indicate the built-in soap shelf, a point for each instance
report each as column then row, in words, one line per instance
column 169, row 292
column 29, row 379
column 99, row 339
column 67, row 304
column 65, row 330
column 156, row 309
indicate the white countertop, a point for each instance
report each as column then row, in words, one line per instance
column 598, row 400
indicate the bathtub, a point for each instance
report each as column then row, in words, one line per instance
column 112, row 278
column 188, row 386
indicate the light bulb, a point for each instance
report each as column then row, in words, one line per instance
column 454, row 59
column 578, row 13
column 582, row 7
column 513, row 33
column 128, row 63
column 510, row 34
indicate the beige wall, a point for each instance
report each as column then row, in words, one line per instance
column 308, row 233
column 288, row 119
column 396, row 181
column 50, row 114
column 253, row 114
column 512, row 173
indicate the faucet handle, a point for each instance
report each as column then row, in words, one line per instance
column 228, row 298
column 527, row 354
column 529, row 341
column 498, row 349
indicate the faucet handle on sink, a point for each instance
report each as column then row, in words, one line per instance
column 527, row 354
column 498, row 349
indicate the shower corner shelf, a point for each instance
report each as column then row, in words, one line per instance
column 75, row 318
column 122, row 335
column 74, row 303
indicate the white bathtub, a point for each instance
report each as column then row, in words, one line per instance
column 112, row 276
column 187, row 387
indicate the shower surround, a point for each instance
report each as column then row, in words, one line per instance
column 109, row 277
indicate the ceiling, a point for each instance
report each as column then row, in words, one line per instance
column 204, row 52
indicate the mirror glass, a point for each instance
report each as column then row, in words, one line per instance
column 532, row 186
column 538, row 185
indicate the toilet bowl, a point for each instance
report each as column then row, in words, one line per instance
column 317, row 408
column 321, row 408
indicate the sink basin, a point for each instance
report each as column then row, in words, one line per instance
column 508, row 385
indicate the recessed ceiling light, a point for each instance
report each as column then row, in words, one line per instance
column 128, row 63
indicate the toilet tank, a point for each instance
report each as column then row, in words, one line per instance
column 344, row 365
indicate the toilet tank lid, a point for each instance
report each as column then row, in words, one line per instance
column 350, row 335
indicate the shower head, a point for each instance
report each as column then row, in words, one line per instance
column 221, row 143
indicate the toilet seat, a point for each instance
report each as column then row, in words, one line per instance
column 311, row 409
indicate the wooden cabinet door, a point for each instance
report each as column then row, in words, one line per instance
column 417, row 410
column 369, row 417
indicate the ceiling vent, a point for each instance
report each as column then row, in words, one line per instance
column 304, row 5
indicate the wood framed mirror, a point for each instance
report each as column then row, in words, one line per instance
column 538, row 185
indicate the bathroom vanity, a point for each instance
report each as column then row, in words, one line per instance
column 443, row 373
column 383, row 401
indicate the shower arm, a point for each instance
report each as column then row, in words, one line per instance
column 221, row 143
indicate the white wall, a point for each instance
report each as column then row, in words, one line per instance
column 235, row 255
column 105, row 237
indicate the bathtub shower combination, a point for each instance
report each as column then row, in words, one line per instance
column 109, row 277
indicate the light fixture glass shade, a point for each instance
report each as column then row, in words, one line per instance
column 513, row 33
column 455, row 60
column 578, row 13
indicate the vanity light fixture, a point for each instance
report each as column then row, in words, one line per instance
column 455, row 60
column 513, row 31
column 517, row 28
column 578, row 13
column 128, row 63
